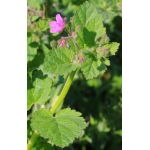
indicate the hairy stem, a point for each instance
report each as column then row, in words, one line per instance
column 63, row 93
column 32, row 140
column 74, row 41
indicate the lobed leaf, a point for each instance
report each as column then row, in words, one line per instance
column 91, row 25
column 60, row 130
column 43, row 24
column 113, row 47
column 108, row 9
column 92, row 66
column 39, row 88
column 60, row 61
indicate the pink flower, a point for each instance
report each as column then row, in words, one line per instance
column 58, row 25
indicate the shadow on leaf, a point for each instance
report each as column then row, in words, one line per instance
column 35, row 74
column 89, row 37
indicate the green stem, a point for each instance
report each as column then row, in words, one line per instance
column 44, row 48
column 32, row 140
column 63, row 93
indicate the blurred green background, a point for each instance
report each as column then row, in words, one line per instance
column 99, row 99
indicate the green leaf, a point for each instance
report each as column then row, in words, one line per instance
column 92, row 67
column 108, row 9
column 43, row 24
column 37, row 62
column 84, row 14
column 60, row 130
column 113, row 48
column 60, row 61
column 42, row 2
column 96, row 25
column 39, row 88
column 33, row 3
column 107, row 49
column 34, row 18
column 31, row 51
column 44, row 48
column 72, row 45
column 91, row 25
column 32, row 39
column 106, row 62
column 29, row 37
column 42, row 144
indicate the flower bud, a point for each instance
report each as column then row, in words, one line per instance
column 53, row 44
column 62, row 43
column 81, row 57
column 102, row 51
column 104, row 39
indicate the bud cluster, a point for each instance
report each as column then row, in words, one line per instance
column 104, row 39
column 102, row 51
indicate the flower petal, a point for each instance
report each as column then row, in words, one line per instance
column 59, row 19
column 53, row 23
column 55, row 29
